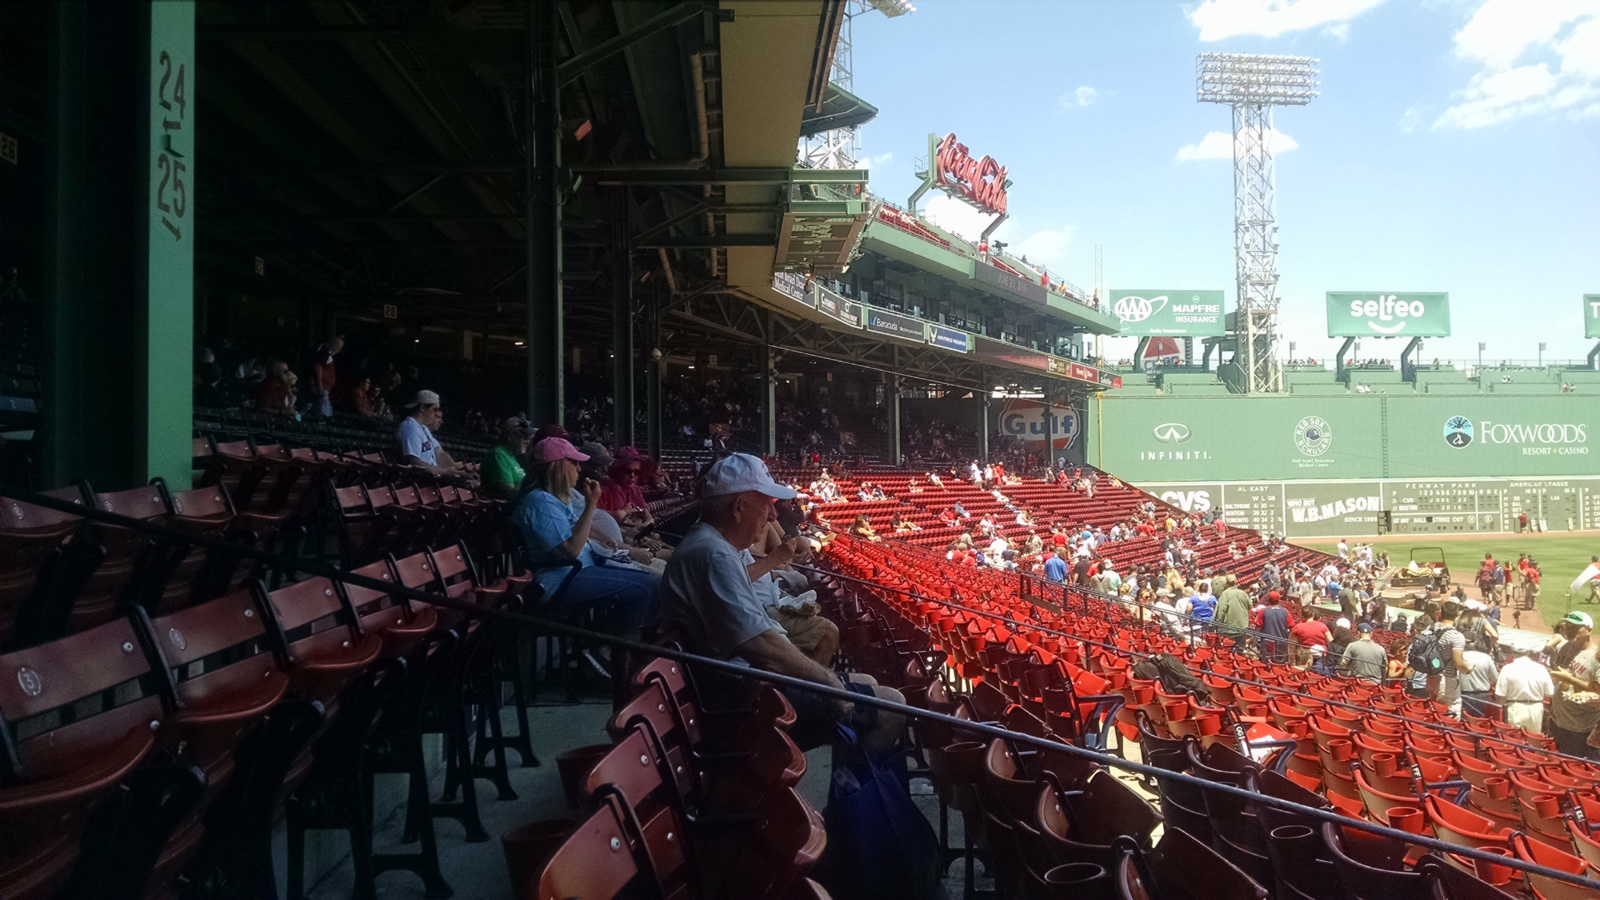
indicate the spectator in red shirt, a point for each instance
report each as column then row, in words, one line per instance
column 325, row 373
column 1310, row 641
column 273, row 393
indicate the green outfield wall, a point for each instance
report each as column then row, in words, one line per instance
column 1308, row 465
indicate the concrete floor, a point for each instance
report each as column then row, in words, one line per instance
column 477, row 871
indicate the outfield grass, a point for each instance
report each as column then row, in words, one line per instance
column 1561, row 557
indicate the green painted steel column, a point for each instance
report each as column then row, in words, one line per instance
column 769, row 390
column 983, row 428
column 894, row 416
column 545, row 338
column 622, row 348
column 652, row 380
column 169, row 275
column 119, row 276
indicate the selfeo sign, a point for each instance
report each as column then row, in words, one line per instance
column 1382, row 314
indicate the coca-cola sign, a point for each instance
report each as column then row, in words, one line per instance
column 981, row 182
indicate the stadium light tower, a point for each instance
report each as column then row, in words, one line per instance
column 1253, row 84
column 839, row 148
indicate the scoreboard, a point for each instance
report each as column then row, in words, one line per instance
column 1339, row 508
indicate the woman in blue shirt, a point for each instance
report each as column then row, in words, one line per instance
column 553, row 526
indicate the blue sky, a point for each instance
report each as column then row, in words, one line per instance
column 1455, row 147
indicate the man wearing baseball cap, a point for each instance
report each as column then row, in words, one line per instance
column 501, row 470
column 418, row 446
column 709, row 605
column 1365, row 658
column 1575, row 719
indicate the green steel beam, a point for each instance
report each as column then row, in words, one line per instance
column 711, row 241
column 670, row 17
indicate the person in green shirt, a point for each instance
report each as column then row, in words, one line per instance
column 501, row 473
column 1233, row 609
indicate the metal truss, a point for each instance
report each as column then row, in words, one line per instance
column 1252, row 85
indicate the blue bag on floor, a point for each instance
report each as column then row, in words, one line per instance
column 880, row 846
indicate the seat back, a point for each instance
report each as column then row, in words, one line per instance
column 1369, row 867
column 312, row 618
column 455, row 572
column 71, row 705
column 215, row 648
column 1187, row 869
column 599, row 859
column 376, row 610
column 201, row 503
column 77, row 716
column 29, row 536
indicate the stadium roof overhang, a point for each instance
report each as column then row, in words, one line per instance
column 371, row 154
column 910, row 240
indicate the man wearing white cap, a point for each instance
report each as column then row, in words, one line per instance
column 709, row 604
column 418, row 446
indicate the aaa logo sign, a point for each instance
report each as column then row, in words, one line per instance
column 1186, row 313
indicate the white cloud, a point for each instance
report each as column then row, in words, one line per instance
column 1339, row 32
column 1047, row 247
column 1222, row 19
column 1500, row 31
column 1534, row 59
column 1081, row 97
column 1219, row 145
column 948, row 212
column 874, row 162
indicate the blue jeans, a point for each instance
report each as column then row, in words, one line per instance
column 631, row 595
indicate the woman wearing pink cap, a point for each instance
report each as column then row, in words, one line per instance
column 551, row 529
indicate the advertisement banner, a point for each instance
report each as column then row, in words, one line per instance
column 832, row 304
column 1081, row 372
column 1381, row 314
column 1354, row 508
column 1033, row 423
column 1215, row 439
column 1591, row 315
column 1289, row 437
column 895, row 325
column 1171, row 312
column 949, row 338
column 1490, row 435
column 995, row 277
column 791, row 285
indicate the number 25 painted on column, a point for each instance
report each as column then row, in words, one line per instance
column 168, row 160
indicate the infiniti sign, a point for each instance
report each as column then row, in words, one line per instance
column 1171, row 432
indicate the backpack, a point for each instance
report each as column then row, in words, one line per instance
column 1427, row 653
column 1174, row 676
column 1477, row 636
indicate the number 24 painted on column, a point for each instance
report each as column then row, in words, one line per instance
column 172, row 167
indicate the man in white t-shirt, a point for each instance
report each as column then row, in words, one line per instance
column 1522, row 688
column 418, row 446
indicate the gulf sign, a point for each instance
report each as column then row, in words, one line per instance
column 1388, row 314
column 1033, row 423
